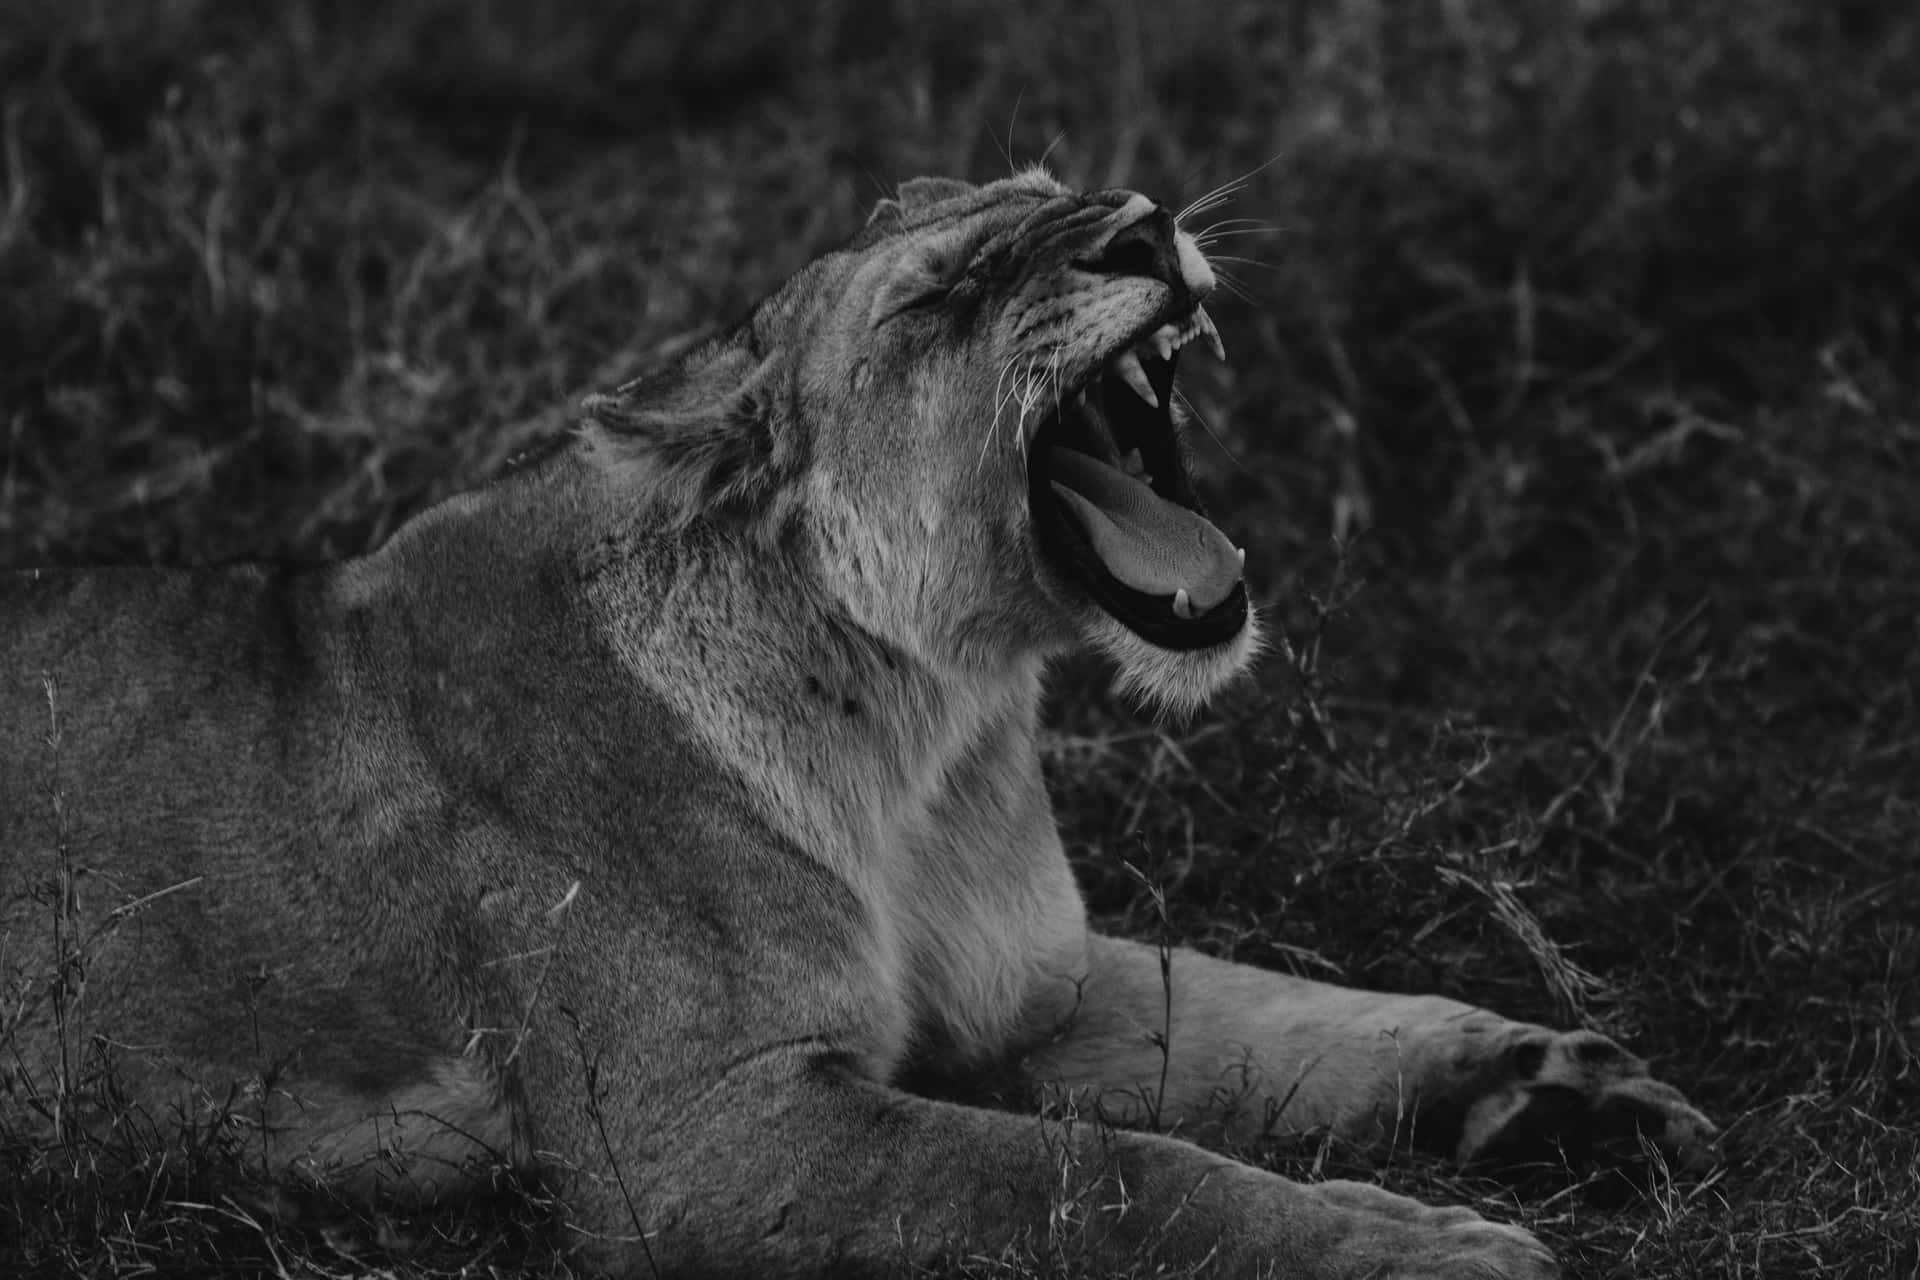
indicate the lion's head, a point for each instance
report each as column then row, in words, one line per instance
column 966, row 417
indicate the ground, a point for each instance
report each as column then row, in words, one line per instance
column 1571, row 422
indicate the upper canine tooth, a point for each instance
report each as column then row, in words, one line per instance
column 1127, row 365
column 1204, row 323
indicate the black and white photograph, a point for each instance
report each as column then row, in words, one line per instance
column 960, row 639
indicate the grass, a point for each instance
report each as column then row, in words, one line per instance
column 1571, row 423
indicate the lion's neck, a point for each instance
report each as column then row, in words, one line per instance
column 852, row 736
column 918, row 787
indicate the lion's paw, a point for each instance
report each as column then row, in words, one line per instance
column 1393, row 1236
column 1579, row 1095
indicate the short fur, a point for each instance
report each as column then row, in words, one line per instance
column 699, row 757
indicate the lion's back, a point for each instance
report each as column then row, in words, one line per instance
column 144, row 723
column 301, row 818
column 157, row 687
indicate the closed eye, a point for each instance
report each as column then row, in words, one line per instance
column 927, row 277
column 907, row 297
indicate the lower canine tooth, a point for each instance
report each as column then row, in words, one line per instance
column 1127, row 365
column 1182, row 605
column 1204, row 323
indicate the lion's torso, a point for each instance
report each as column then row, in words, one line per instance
column 320, row 789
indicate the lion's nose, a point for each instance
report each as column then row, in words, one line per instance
column 1146, row 243
column 1142, row 247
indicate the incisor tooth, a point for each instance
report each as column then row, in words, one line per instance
column 1164, row 341
column 1127, row 365
column 1182, row 604
column 1205, row 324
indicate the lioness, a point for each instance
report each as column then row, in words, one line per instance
column 647, row 817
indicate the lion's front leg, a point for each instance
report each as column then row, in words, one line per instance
column 1217, row 1046
column 821, row 1172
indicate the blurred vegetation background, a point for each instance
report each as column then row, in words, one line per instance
column 1570, row 419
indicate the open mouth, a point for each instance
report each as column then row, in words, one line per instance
column 1114, row 509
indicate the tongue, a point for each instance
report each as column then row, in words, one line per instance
column 1150, row 544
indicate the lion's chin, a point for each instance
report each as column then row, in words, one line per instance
column 1172, row 682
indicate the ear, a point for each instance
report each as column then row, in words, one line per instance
column 710, row 436
column 916, row 194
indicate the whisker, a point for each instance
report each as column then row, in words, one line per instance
column 1058, row 138
column 999, row 410
column 1215, row 237
column 1208, row 247
column 1053, row 382
column 1245, row 262
column 999, row 400
column 1016, row 391
column 1229, row 227
column 1043, row 388
column 1030, row 392
column 1212, row 435
column 1012, row 121
column 1210, row 201
column 1016, row 394
column 1231, row 283
column 1225, row 192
